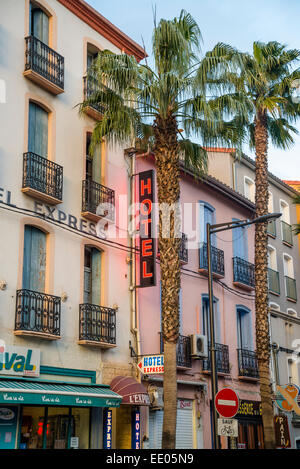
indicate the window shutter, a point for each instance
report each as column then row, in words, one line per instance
column 40, row 25
column 34, row 259
column 96, row 277
column 38, row 130
column 96, row 162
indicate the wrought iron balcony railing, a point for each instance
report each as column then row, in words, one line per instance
column 273, row 281
column 271, row 228
column 42, row 175
column 291, row 289
column 37, row 312
column 90, row 88
column 98, row 199
column 97, row 324
column 217, row 260
column 243, row 272
column 183, row 351
column 183, row 250
column 287, row 233
column 247, row 361
column 44, row 61
column 222, row 359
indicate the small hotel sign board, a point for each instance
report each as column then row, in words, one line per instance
column 147, row 243
column 151, row 364
column 19, row 361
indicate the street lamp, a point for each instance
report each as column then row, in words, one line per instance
column 211, row 229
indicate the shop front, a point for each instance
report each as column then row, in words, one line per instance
column 250, row 426
column 126, row 419
column 40, row 413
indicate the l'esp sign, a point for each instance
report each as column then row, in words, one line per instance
column 147, row 243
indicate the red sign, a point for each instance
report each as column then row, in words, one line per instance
column 147, row 243
column 227, row 403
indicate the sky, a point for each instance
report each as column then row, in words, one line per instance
column 236, row 22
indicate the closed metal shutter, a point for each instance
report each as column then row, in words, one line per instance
column 184, row 429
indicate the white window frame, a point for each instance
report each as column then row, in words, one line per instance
column 272, row 248
column 284, row 203
column 292, row 312
column 285, row 255
column 248, row 180
column 274, row 306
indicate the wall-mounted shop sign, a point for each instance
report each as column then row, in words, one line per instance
column 19, row 361
column 282, row 432
column 107, row 428
column 249, row 409
column 136, row 430
column 151, row 364
column 147, row 242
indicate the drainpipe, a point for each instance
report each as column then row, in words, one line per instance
column 134, row 326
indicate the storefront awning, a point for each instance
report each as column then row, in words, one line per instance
column 132, row 392
column 25, row 391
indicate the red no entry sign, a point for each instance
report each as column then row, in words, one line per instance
column 227, row 402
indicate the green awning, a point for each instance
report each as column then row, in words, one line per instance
column 25, row 391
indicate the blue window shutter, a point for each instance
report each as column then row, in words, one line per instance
column 240, row 242
column 40, row 25
column 244, row 327
column 34, row 259
column 96, row 277
column 38, row 130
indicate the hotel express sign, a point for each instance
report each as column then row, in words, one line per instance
column 19, row 361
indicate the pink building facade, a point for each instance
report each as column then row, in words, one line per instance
column 205, row 201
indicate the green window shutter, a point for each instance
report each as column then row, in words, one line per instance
column 96, row 161
column 34, row 259
column 38, row 130
column 96, row 277
column 40, row 25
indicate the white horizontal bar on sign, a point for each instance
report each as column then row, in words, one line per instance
column 223, row 402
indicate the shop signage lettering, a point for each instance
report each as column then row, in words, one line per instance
column 83, row 401
column 135, row 431
column 249, row 409
column 147, row 242
column 9, row 397
column 150, row 365
column 282, row 432
column 19, row 361
column 54, row 399
column 139, row 399
column 107, row 428
column 184, row 404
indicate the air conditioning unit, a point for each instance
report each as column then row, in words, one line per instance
column 199, row 346
column 156, row 396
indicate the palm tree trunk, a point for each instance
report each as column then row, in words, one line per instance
column 261, row 278
column 167, row 167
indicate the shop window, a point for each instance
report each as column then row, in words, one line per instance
column 32, row 428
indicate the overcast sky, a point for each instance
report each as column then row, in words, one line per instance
column 236, row 22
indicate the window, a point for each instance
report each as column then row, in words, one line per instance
column 288, row 266
column 292, row 312
column 293, row 377
column 38, row 130
column 240, row 242
column 244, row 328
column 272, row 258
column 207, row 215
column 92, row 276
column 249, row 189
column 93, row 163
column 285, row 210
column 39, row 23
column 34, row 259
column 206, row 321
column 274, row 306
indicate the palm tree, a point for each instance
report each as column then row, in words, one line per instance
column 152, row 107
column 262, row 91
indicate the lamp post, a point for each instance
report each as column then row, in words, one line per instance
column 211, row 229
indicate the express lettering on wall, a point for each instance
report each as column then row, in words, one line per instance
column 147, row 242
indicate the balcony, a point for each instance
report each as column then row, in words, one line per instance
column 183, row 250
column 248, row 367
column 271, row 228
column 222, row 359
column 183, row 351
column 98, row 201
column 37, row 314
column 44, row 66
column 217, row 261
column 42, row 178
column 273, row 282
column 90, row 87
column 287, row 233
column 291, row 289
column 243, row 274
column 97, row 326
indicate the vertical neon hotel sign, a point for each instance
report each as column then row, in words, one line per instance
column 147, row 243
